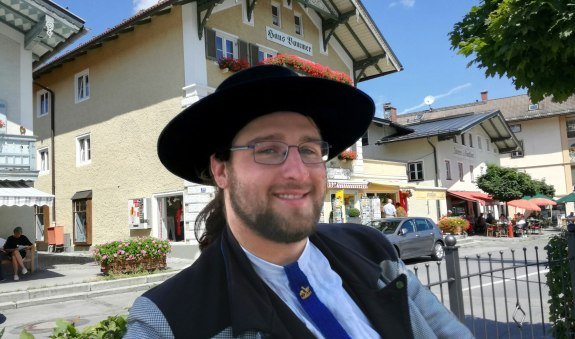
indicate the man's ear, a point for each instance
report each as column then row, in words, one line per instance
column 219, row 172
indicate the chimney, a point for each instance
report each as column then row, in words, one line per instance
column 484, row 96
column 389, row 112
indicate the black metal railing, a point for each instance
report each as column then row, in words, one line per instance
column 496, row 296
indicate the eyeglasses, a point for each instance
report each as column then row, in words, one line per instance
column 276, row 152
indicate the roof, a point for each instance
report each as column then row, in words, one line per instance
column 346, row 21
column 17, row 193
column 515, row 108
column 492, row 123
column 47, row 27
column 386, row 122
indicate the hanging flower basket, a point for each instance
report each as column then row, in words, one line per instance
column 347, row 155
column 231, row 64
column 308, row 67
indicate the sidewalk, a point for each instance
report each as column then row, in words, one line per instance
column 66, row 276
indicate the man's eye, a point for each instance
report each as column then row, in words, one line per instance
column 308, row 150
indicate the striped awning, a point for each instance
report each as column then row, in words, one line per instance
column 17, row 193
column 347, row 184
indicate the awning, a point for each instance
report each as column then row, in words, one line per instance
column 17, row 193
column 479, row 197
column 347, row 184
column 82, row 195
column 384, row 185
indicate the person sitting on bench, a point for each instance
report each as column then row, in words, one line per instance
column 15, row 247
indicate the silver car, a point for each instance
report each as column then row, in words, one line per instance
column 412, row 237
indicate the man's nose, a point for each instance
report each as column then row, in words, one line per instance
column 294, row 165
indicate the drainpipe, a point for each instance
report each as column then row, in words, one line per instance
column 436, row 179
column 52, row 146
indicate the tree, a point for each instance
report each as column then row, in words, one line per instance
column 531, row 42
column 505, row 184
column 542, row 187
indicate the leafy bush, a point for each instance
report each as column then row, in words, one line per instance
column 560, row 291
column 111, row 328
column 353, row 212
column 131, row 250
column 453, row 225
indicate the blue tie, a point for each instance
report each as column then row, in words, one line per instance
column 320, row 315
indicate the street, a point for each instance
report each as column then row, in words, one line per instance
column 39, row 320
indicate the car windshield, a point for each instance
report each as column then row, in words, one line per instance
column 388, row 227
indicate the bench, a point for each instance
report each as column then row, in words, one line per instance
column 29, row 260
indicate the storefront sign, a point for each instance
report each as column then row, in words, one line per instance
column 430, row 195
column 339, row 173
column 463, row 152
column 288, row 41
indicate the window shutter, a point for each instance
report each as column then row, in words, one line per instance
column 254, row 58
column 243, row 50
column 210, row 44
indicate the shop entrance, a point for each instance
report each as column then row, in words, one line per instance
column 170, row 210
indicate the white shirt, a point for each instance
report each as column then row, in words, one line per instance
column 325, row 282
column 389, row 210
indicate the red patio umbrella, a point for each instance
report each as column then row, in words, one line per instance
column 524, row 204
column 543, row 201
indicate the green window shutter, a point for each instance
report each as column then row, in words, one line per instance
column 254, row 59
column 210, row 36
column 243, row 50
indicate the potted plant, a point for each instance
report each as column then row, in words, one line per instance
column 453, row 225
column 347, row 155
column 353, row 215
column 232, row 64
column 132, row 255
column 2, row 123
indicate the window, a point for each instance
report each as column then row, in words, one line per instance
column 460, row 166
column 488, row 143
column 515, row 128
column 479, row 142
column 276, row 15
column 463, row 139
column 570, row 128
column 43, row 99
column 365, row 139
column 83, row 152
column 225, row 46
column 82, row 221
column 298, row 24
column 447, row 169
column 82, row 86
column 415, row 171
column 422, row 225
column 264, row 53
column 518, row 153
column 471, row 173
column 455, row 139
column 470, row 140
column 533, row 107
column 42, row 217
column 43, row 160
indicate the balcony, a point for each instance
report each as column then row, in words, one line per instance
column 18, row 157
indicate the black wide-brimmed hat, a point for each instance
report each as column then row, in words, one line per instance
column 341, row 112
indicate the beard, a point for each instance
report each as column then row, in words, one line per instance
column 261, row 218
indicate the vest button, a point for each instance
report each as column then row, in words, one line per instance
column 399, row 285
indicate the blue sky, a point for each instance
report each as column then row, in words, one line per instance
column 416, row 30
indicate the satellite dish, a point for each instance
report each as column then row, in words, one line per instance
column 429, row 100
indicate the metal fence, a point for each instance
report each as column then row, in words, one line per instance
column 497, row 296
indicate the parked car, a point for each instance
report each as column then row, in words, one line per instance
column 412, row 237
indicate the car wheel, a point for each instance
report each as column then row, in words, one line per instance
column 438, row 252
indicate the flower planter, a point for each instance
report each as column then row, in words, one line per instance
column 133, row 266
column 225, row 70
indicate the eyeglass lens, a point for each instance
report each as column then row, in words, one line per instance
column 275, row 152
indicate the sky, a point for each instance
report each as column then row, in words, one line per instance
column 416, row 30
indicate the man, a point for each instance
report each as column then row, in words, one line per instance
column 389, row 209
column 15, row 247
column 267, row 269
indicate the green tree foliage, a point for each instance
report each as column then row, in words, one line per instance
column 505, row 184
column 531, row 42
column 542, row 187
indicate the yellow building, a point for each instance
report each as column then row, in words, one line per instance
column 115, row 93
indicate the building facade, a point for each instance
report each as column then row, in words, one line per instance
column 115, row 93
column 30, row 33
